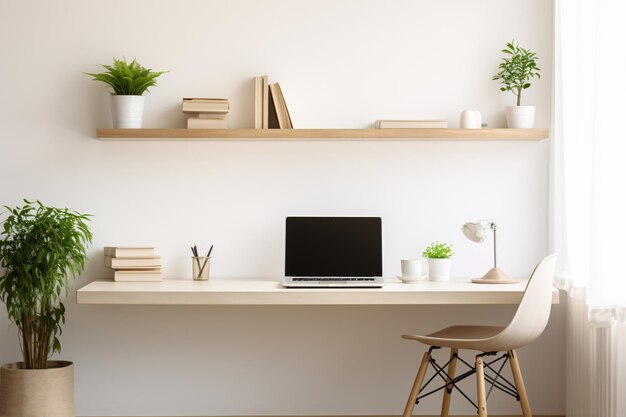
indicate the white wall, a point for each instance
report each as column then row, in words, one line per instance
column 341, row 64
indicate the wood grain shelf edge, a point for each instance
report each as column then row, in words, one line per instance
column 320, row 134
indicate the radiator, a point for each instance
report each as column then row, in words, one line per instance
column 593, row 365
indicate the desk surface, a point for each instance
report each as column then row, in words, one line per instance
column 269, row 292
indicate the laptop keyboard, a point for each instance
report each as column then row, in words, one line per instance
column 334, row 279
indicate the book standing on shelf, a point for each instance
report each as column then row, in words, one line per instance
column 261, row 102
column 258, row 102
column 270, row 108
column 266, row 101
column 280, row 106
column 272, row 117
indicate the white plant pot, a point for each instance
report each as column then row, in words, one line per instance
column 439, row 269
column 520, row 117
column 127, row 111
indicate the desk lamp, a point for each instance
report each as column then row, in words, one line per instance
column 476, row 232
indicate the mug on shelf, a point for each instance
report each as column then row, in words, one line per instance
column 470, row 119
column 413, row 270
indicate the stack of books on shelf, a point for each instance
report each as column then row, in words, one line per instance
column 270, row 108
column 411, row 124
column 206, row 113
column 133, row 263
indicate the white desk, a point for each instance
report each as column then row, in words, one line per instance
column 269, row 292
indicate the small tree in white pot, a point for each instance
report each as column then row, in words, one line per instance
column 516, row 71
column 129, row 83
column 438, row 256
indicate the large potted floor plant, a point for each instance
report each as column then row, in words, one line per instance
column 517, row 68
column 40, row 248
column 129, row 83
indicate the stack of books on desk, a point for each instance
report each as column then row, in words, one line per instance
column 133, row 263
column 206, row 113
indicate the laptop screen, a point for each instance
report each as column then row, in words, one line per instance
column 333, row 247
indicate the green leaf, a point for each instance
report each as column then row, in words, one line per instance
column 127, row 79
column 438, row 250
column 56, row 345
column 516, row 69
column 39, row 249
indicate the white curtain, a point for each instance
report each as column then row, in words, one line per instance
column 588, row 198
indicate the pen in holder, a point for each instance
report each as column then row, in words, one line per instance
column 200, row 267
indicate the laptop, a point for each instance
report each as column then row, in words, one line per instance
column 331, row 252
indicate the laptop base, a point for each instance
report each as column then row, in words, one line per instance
column 294, row 282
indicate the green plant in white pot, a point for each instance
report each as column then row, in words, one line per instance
column 40, row 248
column 438, row 256
column 516, row 70
column 129, row 83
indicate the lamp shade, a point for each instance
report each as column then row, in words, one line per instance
column 474, row 232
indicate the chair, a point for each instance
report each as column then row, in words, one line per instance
column 527, row 325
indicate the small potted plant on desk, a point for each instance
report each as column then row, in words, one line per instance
column 39, row 248
column 129, row 82
column 438, row 256
column 516, row 71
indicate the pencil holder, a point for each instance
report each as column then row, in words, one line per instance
column 200, row 267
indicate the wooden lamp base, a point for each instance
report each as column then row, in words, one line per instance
column 495, row 276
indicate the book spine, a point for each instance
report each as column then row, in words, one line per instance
column 391, row 124
column 193, row 123
column 266, row 103
column 129, row 252
column 283, row 105
column 132, row 263
column 258, row 102
column 278, row 107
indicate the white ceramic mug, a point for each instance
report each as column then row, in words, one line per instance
column 414, row 269
column 470, row 119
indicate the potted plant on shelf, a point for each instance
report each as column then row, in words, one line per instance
column 516, row 71
column 40, row 247
column 129, row 83
column 438, row 256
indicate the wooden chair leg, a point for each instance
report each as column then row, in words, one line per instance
column 419, row 378
column 480, row 388
column 519, row 384
column 447, row 393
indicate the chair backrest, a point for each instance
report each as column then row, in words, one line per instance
column 533, row 312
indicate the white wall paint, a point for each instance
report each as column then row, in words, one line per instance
column 341, row 64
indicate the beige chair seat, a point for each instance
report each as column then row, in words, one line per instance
column 527, row 324
column 461, row 337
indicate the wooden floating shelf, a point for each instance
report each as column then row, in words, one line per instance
column 270, row 292
column 320, row 134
